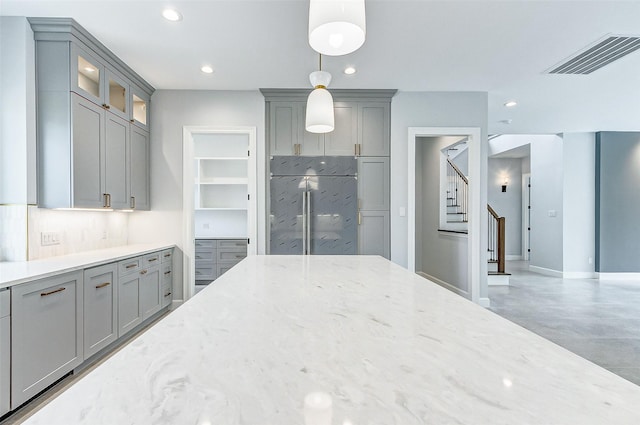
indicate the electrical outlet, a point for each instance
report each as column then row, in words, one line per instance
column 49, row 238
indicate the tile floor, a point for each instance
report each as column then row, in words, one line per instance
column 596, row 319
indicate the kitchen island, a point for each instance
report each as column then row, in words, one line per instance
column 386, row 345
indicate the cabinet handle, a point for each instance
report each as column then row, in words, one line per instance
column 239, row 256
column 143, row 272
column 153, row 259
column 105, row 204
column 107, row 200
column 105, row 106
column 167, row 255
column 132, row 202
column 167, row 294
column 359, row 218
column 44, row 294
column 355, row 149
column 132, row 121
column 169, row 272
column 102, row 285
column 130, row 266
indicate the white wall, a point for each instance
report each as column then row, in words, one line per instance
column 17, row 115
column 507, row 204
column 546, row 198
column 438, row 254
column 430, row 109
column 170, row 111
column 579, row 165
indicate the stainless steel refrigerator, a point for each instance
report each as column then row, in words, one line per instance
column 314, row 205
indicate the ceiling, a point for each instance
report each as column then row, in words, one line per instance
column 499, row 47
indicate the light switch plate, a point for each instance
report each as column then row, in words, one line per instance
column 49, row 238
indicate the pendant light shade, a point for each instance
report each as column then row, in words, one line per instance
column 319, row 115
column 336, row 27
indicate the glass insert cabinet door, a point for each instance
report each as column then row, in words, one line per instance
column 88, row 75
column 139, row 108
column 118, row 95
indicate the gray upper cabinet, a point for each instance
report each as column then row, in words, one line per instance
column 139, row 169
column 46, row 333
column 90, row 109
column 100, row 308
column 342, row 140
column 374, row 120
column 362, row 124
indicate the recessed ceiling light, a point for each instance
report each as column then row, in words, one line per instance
column 349, row 70
column 89, row 69
column 172, row 15
column 207, row 69
column 509, row 121
column 511, row 104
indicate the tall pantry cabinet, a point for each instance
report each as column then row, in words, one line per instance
column 362, row 130
column 93, row 122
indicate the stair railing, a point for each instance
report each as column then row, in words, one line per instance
column 457, row 190
column 496, row 247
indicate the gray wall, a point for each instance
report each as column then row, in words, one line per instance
column 170, row 111
column 546, row 199
column 578, row 204
column 617, row 202
column 430, row 109
column 439, row 254
column 507, row 204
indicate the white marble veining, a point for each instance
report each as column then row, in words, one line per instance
column 387, row 347
column 14, row 273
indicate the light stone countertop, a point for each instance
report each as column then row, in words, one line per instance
column 14, row 273
column 387, row 346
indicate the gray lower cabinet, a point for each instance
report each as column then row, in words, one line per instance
column 373, row 233
column 214, row 257
column 47, row 334
column 129, row 309
column 100, row 308
column 150, row 285
column 5, row 350
column 167, row 284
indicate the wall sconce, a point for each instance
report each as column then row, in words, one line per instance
column 504, row 185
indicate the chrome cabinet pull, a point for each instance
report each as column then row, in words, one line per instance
column 304, row 223
column 44, row 294
column 102, row 285
column 309, row 222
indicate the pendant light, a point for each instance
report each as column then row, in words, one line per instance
column 319, row 116
column 336, row 27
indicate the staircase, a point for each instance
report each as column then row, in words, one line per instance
column 457, row 195
column 496, row 249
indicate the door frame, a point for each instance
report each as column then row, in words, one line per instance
column 188, row 208
column 526, row 215
column 477, row 274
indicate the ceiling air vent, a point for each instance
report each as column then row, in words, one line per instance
column 600, row 54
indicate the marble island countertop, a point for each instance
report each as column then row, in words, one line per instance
column 14, row 273
column 382, row 345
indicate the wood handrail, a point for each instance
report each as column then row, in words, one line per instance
column 492, row 212
column 497, row 238
column 457, row 170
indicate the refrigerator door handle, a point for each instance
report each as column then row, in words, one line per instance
column 309, row 223
column 304, row 223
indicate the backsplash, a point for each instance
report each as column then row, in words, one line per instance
column 74, row 231
column 13, row 232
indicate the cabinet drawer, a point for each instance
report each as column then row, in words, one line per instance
column 205, row 273
column 223, row 268
column 151, row 260
column 205, row 243
column 129, row 266
column 5, row 302
column 205, row 255
column 232, row 243
column 167, row 255
column 166, row 295
column 167, row 272
column 229, row 255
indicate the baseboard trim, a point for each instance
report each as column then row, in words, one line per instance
column 618, row 276
column 545, row 271
column 484, row 302
column 175, row 304
column 579, row 275
column 444, row 284
column 512, row 257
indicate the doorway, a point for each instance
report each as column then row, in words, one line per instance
column 219, row 190
column 526, row 216
column 476, row 265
